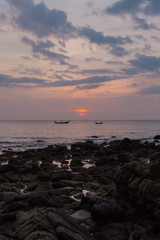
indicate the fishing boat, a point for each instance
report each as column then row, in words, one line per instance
column 62, row 122
column 98, row 122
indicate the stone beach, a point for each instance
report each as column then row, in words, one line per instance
column 88, row 191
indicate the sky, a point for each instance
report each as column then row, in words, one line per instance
column 71, row 60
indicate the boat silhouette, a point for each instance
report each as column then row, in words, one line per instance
column 98, row 122
column 62, row 122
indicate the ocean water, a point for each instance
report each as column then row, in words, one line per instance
column 22, row 135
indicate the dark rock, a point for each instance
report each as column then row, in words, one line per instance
column 65, row 175
column 41, row 201
column 155, row 157
column 14, row 207
column 7, row 217
column 114, row 231
column 42, row 224
column 44, row 176
column 87, row 202
column 65, row 234
column 123, row 157
column 105, row 160
column 109, row 211
column 76, row 162
column 8, row 168
column 156, row 137
column 155, row 169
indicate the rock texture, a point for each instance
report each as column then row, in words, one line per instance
column 50, row 194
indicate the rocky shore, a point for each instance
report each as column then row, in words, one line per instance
column 88, row 191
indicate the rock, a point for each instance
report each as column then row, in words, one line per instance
column 76, row 162
column 65, row 234
column 40, row 235
column 149, row 189
column 41, row 201
column 44, row 176
column 114, row 231
column 104, row 160
column 14, row 207
column 156, row 137
column 109, row 211
column 8, row 168
column 123, row 157
column 81, row 215
column 43, row 223
column 64, row 190
column 155, row 169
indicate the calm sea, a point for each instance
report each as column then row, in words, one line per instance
column 21, row 135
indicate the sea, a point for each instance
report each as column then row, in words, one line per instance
column 23, row 135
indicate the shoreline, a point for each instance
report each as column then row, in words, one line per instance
column 116, row 194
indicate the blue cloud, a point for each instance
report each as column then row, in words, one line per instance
column 119, row 51
column 90, row 80
column 141, row 23
column 40, row 20
column 24, row 82
column 143, row 64
column 153, row 90
column 99, row 38
column 125, row 7
column 42, row 47
column 149, row 7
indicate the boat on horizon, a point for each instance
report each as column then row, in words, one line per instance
column 98, row 122
column 62, row 122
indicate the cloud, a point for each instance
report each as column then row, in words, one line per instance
column 96, row 71
column 146, row 63
column 88, row 86
column 24, row 82
column 149, row 7
column 26, row 58
column 30, row 71
column 43, row 22
column 153, row 7
column 119, row 51
column 90, row 80
column 93, row 59
column 125, row 7
column 114, row 62
column 40, row 20
column 143, row 64
column 98, row 37
column 42, row 47
column 141, row 23
column 151, row 90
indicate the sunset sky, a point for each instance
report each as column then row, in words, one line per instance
column 59, row 57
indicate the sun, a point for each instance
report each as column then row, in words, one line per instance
column 81, row 112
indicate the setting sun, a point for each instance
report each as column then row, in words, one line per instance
column 81, row 112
